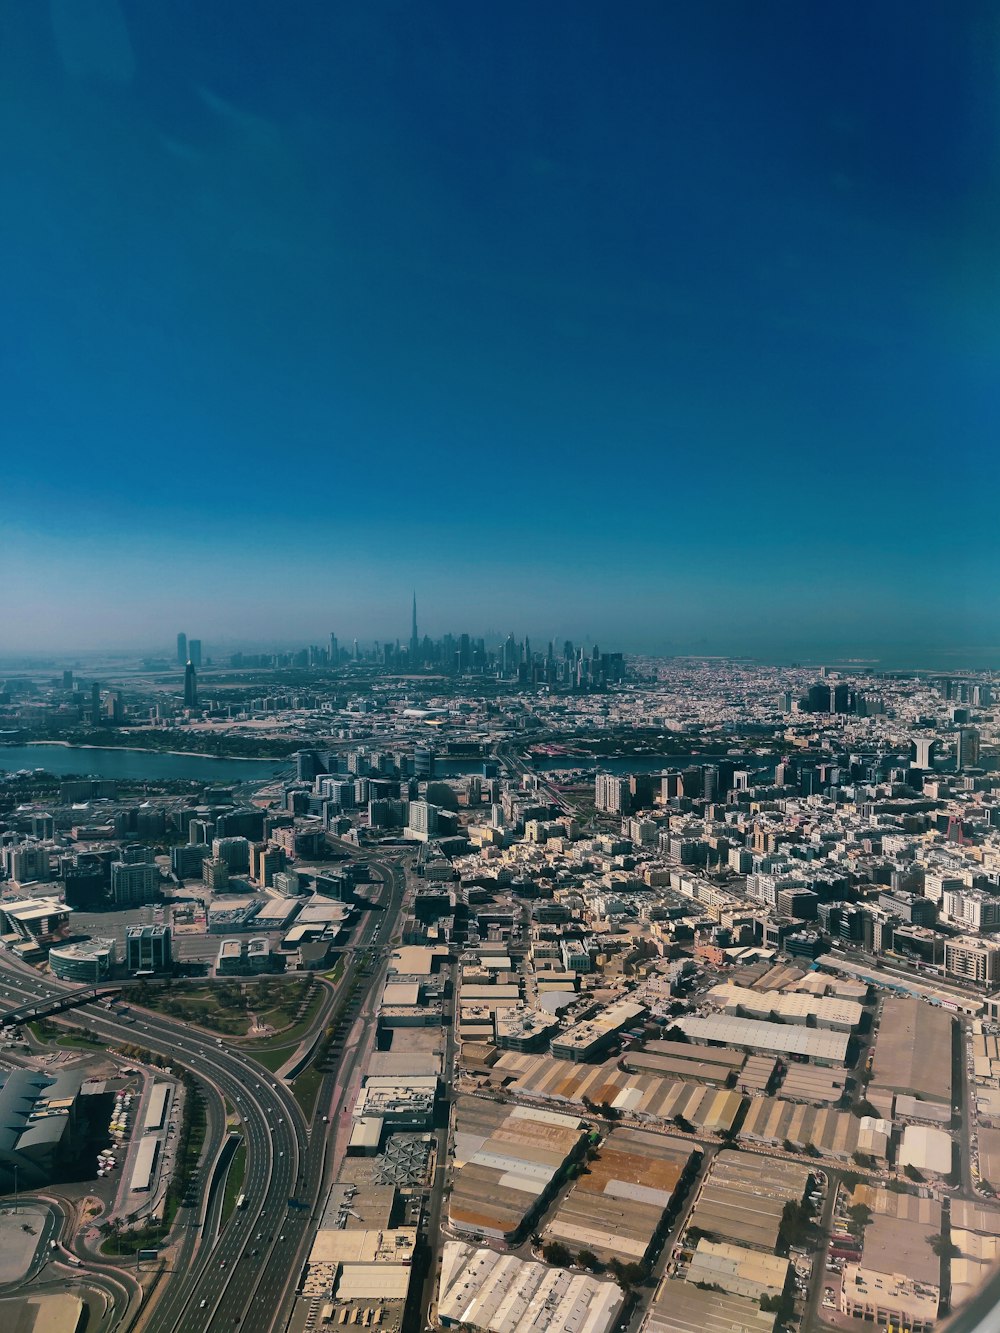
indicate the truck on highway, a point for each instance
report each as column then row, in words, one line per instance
column 241, row 1202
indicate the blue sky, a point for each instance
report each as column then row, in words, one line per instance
column 672, row 326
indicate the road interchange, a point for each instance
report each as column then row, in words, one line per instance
column 247, row 1277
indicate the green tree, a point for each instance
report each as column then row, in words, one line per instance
column 588, row 1259
column 557, row 1254
column 945, row 1249
column 860, row 1215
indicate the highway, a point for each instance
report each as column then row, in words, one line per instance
column 247, row 1278
column 275, row 1134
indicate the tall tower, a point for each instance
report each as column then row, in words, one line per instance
column 182, row 649
column 967, row 748
column 414, row 641
column 190, row 686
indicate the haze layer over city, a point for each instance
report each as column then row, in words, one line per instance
column 499, row 652
column 676, row 325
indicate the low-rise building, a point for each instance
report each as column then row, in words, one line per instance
column 83, row 960
column 586, row 1040
column 897, row 1281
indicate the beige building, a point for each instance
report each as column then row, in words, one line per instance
column 898, row 1279
column 973, row 960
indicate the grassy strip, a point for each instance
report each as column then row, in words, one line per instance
column 81, row 1039
column 235, row 1177
column 306, row 1089
column 306, row 1086
column 273, row 1057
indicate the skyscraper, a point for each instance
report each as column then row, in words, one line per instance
column 967, row 748
column 182, row 649
column 334, row 650
column 190, row 686
column 194, row 652
column 414, row 640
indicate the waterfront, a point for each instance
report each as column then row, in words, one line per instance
column 137, row 765
column 161, row 766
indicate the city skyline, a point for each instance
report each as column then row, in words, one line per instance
column 681, row 323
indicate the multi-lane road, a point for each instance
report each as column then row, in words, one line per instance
column 247, row 1277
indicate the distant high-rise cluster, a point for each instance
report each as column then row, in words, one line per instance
column 514, row 659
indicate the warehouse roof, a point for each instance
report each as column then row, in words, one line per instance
column 913, row 1050
column 510, row 1295
column 615, row 1207
column 681, row 1307
column 737, row 1269
column 758, row 1034
column 792, row 1006
column 927, row 1149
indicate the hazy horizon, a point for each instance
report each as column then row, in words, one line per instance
column 674, row 329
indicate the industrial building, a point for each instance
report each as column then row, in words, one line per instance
column 913, row 1050
column 506, row 1162
column 742, row 1198
column 37, row 1124
column 825, row 1046
column 144, row 1168
column 820, row 1011
column 682, row 1307
column 736, row 1269
column 643, row 1096
column 615, row 1208
column 832, row 1133
column 927, row 1150
column 400, row 1103
column 499, row 1293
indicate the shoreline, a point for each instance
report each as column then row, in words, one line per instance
column 277, row 760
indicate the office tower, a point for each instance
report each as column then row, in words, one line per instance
column 423, row 762
column 95, row 704
column 148, row 949
column 612, row 793
column 114, row 708
column 967, row 748
column 510, row 655
column 414, row 640
column 133, row 885
column 923, row 752
column 190, row 686
column 67, row 680
column 215, row 874
column 422, row 819
column 194, row 652
column 182, row 649
column 334, row 650
column 234, row 851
